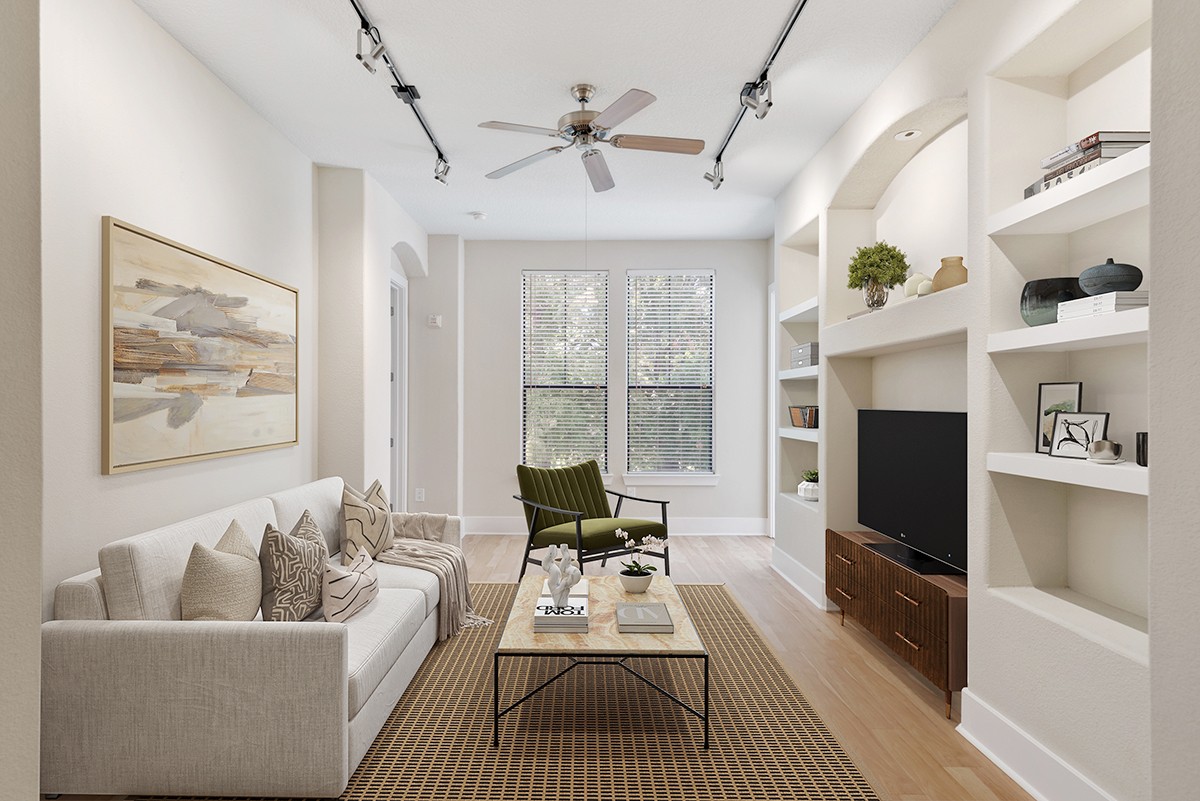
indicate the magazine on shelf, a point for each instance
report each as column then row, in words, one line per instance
column 644, row 618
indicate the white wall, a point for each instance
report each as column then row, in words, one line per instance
column 1174, row 385
column 20, row 401
column 493, row 375
column 133, row 126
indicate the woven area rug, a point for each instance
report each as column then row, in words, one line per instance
column 598, row 734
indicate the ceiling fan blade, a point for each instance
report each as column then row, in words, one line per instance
column 661, row 144
column 597, row 170
column 512, row 126
column 623, row 108
column 525, row 162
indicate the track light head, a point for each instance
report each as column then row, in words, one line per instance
column 368, row 54
column 717, row 176
column 441, row 169
column 757, row 97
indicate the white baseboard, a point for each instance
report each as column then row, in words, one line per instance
column 686, row 526
column 810, row 585
column 1041, row 772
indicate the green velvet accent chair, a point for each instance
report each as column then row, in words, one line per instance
column 570, row 505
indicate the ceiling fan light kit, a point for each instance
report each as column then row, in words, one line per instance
column 585, row 129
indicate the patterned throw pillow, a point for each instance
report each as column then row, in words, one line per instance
column 292, row 568
column 366, row 522
column 223, row 582
column 345, row 592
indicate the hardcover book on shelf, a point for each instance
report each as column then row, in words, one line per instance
column 1107, row 303
column 1099, row 152
column 644, row 618
column 1099, row 137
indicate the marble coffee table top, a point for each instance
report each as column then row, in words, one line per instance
column 602, row 638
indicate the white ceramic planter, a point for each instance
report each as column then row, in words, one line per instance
column 809, row 490
column 635, row 583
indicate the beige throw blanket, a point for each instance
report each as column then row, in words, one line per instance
column 450, row 566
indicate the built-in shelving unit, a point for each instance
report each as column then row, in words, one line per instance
column 801, row 434
column 903, row 324
column 803, row 312
column 1121, row 632
column 1124, row 477
column 799, row 374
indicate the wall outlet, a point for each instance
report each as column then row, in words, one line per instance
column 419, row 494
column 434, row 321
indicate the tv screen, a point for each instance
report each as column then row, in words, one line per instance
column 912, row 481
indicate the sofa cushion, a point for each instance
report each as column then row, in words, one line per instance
column 143, row 574
column 293, row 566
column 366, row 521
column 399, row 577
column 599, row 532
column 377, row 636
column 322, row 499
column 348, row 590
column 223, row 582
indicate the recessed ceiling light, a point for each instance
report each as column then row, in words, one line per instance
column 904, row 136
column 478, row 215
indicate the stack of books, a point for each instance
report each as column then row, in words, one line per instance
column 1085, row 155
column 570, row 619
column 644, row 618
column 1107, row 303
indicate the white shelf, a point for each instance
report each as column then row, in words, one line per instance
column 1117, row 629
column 1127, row 477
column 805, row 312
column 799, row 374
column 1129, row 327
column 904, row 324
column 809, row 506
column 801, row 434
column 1117, row 187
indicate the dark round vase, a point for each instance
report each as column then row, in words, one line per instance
column 1040, row 298
column 1110, row 277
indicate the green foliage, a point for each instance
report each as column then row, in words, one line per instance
column 809, row 475
column 885, row 263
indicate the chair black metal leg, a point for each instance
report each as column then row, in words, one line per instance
column 667, row 560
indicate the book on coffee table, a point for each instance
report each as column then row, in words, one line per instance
column 644, row 618
column 569, row 619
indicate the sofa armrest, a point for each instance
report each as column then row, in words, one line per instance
column 425, row 526
column 194, row 708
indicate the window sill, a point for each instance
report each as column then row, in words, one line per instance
column 671, row 479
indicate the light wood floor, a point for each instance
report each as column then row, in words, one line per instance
column 888, row 717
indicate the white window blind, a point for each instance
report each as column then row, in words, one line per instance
column 565, row 368
column 669, row 350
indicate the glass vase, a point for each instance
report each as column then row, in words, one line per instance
column 875, row 294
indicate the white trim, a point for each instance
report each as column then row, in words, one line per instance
column 670, row 479
column 1039, row 771
column 679, row 526
column 810, row 585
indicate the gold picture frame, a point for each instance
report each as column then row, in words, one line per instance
column 200, row 355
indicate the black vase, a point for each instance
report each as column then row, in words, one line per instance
column 1040, row 298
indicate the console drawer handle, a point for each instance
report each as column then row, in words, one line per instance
column 912, row 644
column 843, row 593
column 844, row 559
column 912, row 601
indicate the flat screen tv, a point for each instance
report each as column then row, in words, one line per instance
column 912, row 486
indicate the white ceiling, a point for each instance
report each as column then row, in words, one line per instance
column 293, row 62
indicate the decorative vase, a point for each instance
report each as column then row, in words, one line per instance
column 875, row 294
column 951, row 274
column 1040, row 298
column 809, row 491
column 1110, row 277
column 635, row 584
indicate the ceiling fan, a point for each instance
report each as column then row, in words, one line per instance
column 585, row 129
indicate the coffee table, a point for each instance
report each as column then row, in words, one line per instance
column 603, row 645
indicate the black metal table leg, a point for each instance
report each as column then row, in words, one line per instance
column 706, row 701
column 495, row 700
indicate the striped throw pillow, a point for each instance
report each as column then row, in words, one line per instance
column 347, row 591
column 366, row 522
column 293, row 566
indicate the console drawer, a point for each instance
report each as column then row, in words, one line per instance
column 850, row 558
column 916, row 599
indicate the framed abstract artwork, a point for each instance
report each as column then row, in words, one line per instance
column 1055, row 397
column 1074, row 431
column 200, row 355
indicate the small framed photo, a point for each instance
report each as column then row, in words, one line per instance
column 1074, row 431
column 1052, row 398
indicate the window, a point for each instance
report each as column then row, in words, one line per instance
column 669, row 363
column 564, row 404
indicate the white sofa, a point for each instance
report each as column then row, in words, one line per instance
column 136, row 700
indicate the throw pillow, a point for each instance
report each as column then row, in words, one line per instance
column 293, row 565
column 345, row 592
column 366, row 522
column 223, row 582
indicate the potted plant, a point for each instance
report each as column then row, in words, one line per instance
column 808, row 489
column 637, row 575
column 875, row 269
